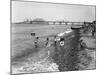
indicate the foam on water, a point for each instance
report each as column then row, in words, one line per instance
column 36, row 67
column 62, row 34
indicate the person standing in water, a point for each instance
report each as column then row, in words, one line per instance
column 55, row 40
column 61, row 41
column 47, row 41
column 36, row 41
column 83, row 45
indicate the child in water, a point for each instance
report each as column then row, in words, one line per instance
column 62, row 42
column 47, row 40
column 82, row 45
column 36, row 41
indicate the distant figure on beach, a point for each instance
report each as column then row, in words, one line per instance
column 82, row 45
column 93, row 30
column 36, row 41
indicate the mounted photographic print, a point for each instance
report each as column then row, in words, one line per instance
column 52, row 37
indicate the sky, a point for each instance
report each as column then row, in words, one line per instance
column 22, row 10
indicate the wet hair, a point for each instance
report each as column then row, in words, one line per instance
column 37, row 37
column 47, row 38
column 62, row 39
column 81, row 40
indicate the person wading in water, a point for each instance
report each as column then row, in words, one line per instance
column 83, row 45
column 55, row 40
column 47, row 42
column 36, row 41
column 62, row 42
